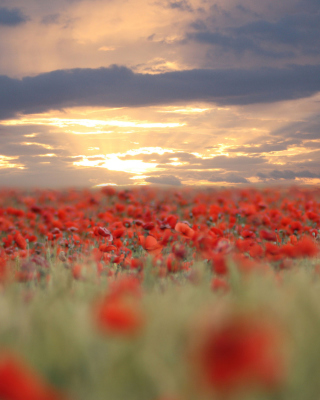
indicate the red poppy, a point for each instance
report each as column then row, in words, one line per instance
column 185, row 230
column 268, row 235
column 235, row 352
column 150, row 244
column 306, row 247
column 20, row 241
column 219, row 284
column 119, row 317
column 19, row 382
column 104, row 232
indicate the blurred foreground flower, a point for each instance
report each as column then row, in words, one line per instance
column 119, row 317
column 19, row 382
column 238, row 352
column 119, row 311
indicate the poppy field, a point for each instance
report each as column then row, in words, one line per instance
column 154, row 294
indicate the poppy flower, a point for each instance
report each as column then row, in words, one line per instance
column 19, row 382
column 104, row 233
column 185, row 230
column 219, row 264
column 219, row 284
column 119, row 317
column 3, row 268
column 306, row 247
column 268, row 235
column 150, row 244
column 118, row 233
column 125, row 286
column 20, row 241
column 235, row 352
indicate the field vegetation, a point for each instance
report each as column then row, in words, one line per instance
column 151, row 294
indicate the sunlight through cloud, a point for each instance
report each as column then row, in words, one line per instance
column 90, row 123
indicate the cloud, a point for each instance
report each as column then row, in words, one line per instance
column 182, row 5
column 300, row 29
column 59, row 175
column 240, row 163
column 12, row 17
column 51, row 19
column 285, row 32
column 237, row 43
column 164, row 180
column 307, row 129
column 119, row 86
column 265, row 147
column 314, row 145
column 287, row 174
column 230, row 178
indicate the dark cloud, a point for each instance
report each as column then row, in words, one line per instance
column 230, row 178
column 164, row 180
column 264, row 148
column 16, row 149
column 182, row 5
column 239, row 44
column 12, row 17
column 287, row 174
column 291, row 32
column 119, row 86
column 51, row 19
column 247, row 11
column 300, row 30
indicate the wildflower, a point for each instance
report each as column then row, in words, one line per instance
column 20, row 241
column 218, row 284
column 306, row 247
column 219, row 264
column 104, row 232
column 150, row 244
column 19, row 382
column 120, row 317
column 125, row 286
column 268, row 235
column 185, row 230
column 236, row 352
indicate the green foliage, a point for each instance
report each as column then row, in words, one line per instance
column 52, row 327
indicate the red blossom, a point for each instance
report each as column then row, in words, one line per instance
column 185, row 230
column 20, row 241
column 119, row 317
column 150, row 244
column 104, row 232
column 306, row 247
column 19, row 382
column 219, row 284
column 235, row 352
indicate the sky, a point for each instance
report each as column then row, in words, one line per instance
column 166, row 92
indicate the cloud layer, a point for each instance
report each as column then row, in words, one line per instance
column 119, row 86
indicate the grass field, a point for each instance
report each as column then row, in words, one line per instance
column 152, row 294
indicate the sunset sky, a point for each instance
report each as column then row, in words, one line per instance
column 176, row 92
